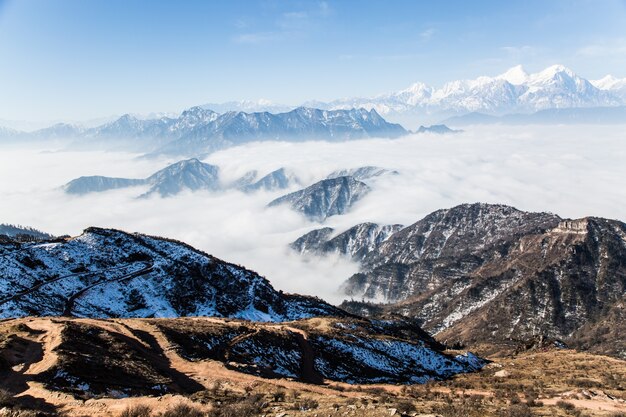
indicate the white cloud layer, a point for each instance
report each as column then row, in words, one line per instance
column 573, row 171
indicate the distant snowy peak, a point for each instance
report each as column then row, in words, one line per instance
column 516, row 75
column 609, row 82
column 512, row 91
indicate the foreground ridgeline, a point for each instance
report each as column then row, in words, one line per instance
column 128, row 357
column 110, row 273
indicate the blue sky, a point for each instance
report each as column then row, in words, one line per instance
column 82, row 59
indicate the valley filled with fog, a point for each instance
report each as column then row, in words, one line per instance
column 572, row 171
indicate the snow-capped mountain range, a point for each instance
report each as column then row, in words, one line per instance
column 514, row 91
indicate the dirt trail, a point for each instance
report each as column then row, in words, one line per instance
column 50, row 338
column 209, row 372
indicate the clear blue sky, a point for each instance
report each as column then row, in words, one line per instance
column 81, row 59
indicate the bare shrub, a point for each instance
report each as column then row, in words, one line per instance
column 183, row 410
column 139, row 410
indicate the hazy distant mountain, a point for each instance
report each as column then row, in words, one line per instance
column 97, row 183
column 325, row 198
column 249, row 106
column 362, row 173
column 437, row 129
column 234, row 128
column 183, row 175
column 23, row 232
column 275, row 180
column 355, row 242
column 591, row 115
column 514, row 91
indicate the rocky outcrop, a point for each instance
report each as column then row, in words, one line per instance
column 487, row 273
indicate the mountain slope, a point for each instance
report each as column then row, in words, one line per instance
column 275, row 180
column 190, row 174
column 355, row 242
column 325, row 198
column 184, row 175
column 97, row 183
column 110, row 273
column 235, row 128
column 491, row 274
column 362, row 173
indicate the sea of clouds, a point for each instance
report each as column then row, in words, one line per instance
column 573, row 171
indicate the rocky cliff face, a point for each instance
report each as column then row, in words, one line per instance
column 110, row 273
column 356, row 242
column 325, row 198
column 483, row 274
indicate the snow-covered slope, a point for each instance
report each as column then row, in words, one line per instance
column 362, row 173
column 275, row 180
column 325, row 198
column 355, row 242
column 184, row 175
column 110, row 273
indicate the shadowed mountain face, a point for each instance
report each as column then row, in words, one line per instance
column 109, row 273
column 23, row 233
column 325, row 198
column 484, row 273
column 190, row 175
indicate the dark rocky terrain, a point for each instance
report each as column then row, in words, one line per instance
column 480, row 273
column 325, row 198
